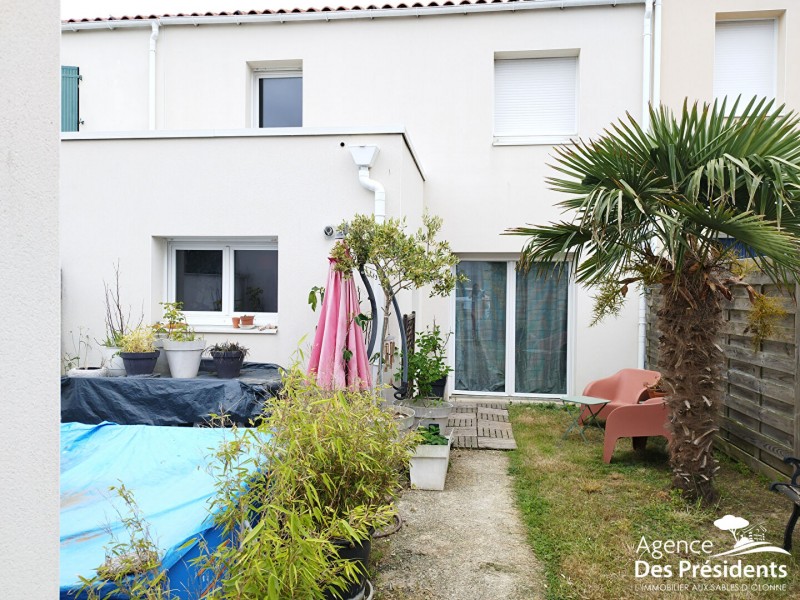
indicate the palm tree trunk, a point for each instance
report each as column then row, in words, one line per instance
column 690, row 362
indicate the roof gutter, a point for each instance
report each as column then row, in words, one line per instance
column 521, row 5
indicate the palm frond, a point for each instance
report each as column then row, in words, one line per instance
column 707, row 172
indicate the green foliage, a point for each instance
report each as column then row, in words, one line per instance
column 174, row 323
column 607, row 302
column 431, row 436
column 399, row 260
column 141, row 339
column 657, row 202
column 761, row 319
column 227, row 346
column 316, row 296
column 78, row 354
column 132, row 568
column 328, row 475
column 426, row 364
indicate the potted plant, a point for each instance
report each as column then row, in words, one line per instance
column 138, row 351
column 427, row 375
column 429, row 464
column 117, row 324
column 76, row 362
column 182, row 347
column 228, row 359
column 322, row 472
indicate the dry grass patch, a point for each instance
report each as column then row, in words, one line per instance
column 586, row 518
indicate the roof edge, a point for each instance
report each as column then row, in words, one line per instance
column 276, row 132
column 448, row 7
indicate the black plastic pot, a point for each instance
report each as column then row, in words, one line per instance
column 228, row 365
column 360, row 554
column 139, row 363
column 437, row 387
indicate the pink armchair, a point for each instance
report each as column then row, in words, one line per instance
column 627, row 386
column 637, row 421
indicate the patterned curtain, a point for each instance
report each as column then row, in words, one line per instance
column 541, row 331
column 481, row 327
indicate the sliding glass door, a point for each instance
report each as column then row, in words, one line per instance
column 511, row 329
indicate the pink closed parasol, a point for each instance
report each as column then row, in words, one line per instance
column 339, row 354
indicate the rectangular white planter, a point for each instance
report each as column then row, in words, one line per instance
column 429, row 466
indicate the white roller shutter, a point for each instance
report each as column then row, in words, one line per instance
column 536, row 96
column 745, row 59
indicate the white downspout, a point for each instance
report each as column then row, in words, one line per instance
column 152, row 91
column 647, row 75
column 377, row 188
column 657, row 54
column 364, row 157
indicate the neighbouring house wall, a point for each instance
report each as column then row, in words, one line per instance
column 29, row 433
column 687, row 67
column 440, row 89
column 289, row 187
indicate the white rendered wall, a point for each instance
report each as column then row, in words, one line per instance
column 29, row 434
column 435, row 77
column 289, row 187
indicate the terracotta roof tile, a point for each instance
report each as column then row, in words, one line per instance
column 400, row 5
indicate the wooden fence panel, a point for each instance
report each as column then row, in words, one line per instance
column 760, row 414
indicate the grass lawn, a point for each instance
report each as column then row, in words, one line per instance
column 586, row 519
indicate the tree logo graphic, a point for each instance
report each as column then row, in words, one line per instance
column 747, row 540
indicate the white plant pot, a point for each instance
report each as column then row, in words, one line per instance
column 90, row 372
column 112, row 361
column 184, row 357
column 429, row 466
column 429, row 412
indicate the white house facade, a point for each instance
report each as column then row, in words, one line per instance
column 211, row 153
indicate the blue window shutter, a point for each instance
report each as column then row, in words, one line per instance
column 70, row 76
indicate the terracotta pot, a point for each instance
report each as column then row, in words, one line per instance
column 235, row 322
column 247, row 319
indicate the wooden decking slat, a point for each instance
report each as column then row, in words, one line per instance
column 482, row 425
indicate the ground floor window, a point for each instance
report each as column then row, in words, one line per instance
column 511, row 329
column 216, row 279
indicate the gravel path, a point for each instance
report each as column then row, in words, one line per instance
column 465, row 543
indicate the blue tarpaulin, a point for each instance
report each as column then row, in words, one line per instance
column 166, row 469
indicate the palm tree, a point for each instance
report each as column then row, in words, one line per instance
column 654, row 207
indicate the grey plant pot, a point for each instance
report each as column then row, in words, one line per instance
column 184, row 357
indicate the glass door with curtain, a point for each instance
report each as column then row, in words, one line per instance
column 511, row 329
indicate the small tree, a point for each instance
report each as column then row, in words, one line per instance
column 656, row 207
column 397, row 259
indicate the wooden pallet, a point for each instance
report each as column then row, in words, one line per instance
column 482, row 425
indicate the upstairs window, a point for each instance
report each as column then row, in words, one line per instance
column 745, row 59
column 535, row 99
column 70, row 79
column 279, row 97
column 219, row 279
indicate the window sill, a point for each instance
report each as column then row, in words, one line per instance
column 532, row 140
column 258, row 329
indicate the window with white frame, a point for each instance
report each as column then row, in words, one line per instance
column 218, row 279
column 745, row 59
column 278, row 96
column 535, row 99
